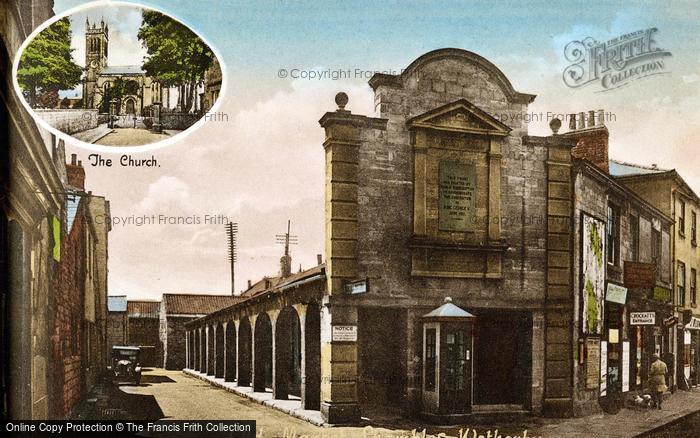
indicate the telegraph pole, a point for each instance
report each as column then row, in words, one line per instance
column 286, row 260
column 232, row 235
column 287, row 239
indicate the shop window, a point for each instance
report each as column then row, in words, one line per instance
column 634, row 231
column 656, row 251
column 430, row 359
column 681, row 284
column 693, row 286
column 613, row 235
column 681, row 219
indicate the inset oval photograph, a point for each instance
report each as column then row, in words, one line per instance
column 118, row 75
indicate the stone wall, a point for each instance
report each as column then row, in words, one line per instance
column 70, row 121
column 385, row 193
column 178, row 121
column 381, row 208
column 117, row 329
column 144, row 333
column 174, row 353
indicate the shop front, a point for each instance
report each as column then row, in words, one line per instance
column 650, row 331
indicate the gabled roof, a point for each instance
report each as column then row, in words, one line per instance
column 628, row 172
column 620, row 168
column 122, row 70
column 196, row 304
column 116, row 303
column 143, row 309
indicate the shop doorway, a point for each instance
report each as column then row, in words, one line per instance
column 381, row 356
column 502, row 357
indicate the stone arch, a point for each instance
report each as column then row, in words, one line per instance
column 245, row 352
column 262, row 353
column 219, row 351
column 287, row 354
column 231, row 344
column 130, row 106
column 311, row 387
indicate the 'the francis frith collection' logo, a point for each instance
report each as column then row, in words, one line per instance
column 614, row 63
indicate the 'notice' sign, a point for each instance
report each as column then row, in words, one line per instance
column 643, row 318
column 344, row 333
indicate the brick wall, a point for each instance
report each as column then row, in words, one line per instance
column 67, row 334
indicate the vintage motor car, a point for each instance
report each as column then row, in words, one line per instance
column 125, row 365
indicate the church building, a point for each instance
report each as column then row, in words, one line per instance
column 140, row 90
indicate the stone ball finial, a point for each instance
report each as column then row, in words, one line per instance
column 341, row 99
column 448, row 300
column 555, row 124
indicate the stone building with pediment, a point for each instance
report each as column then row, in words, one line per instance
column 448, row 287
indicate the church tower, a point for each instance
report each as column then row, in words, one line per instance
column 96, row 45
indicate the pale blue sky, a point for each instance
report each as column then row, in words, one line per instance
column 265, row 165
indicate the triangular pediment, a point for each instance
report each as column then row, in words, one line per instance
column 460, row 116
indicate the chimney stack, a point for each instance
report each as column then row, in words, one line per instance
column 591, row 135
column 250, row 284
column 319, row 259
column 75, row 173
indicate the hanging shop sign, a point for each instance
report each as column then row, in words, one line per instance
column 616, row 294
column 643, row 318
column 640, row 275
column 662, row 294
column 671, row 320
column 344, row 333
column 694, row 324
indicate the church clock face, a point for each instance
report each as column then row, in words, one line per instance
column 93, row 64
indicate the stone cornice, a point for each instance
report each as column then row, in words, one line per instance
column 347, row 118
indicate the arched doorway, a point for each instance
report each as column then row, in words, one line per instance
column 219, row 351
column 230, row 363
column 262, row 355
column 245, row 352
column 311, row 387
column 130, row 105
column 287, row 354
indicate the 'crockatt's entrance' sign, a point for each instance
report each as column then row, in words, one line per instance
column 643, row 318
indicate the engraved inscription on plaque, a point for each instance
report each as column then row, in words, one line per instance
column 457, row 192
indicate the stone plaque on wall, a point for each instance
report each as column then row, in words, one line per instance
column 457, row 190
